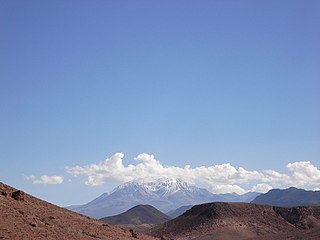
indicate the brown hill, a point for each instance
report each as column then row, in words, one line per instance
column 139, row 218
column 23, row 216
column 242, row 221
column 139, row 214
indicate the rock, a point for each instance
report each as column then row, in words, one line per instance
column 4, row 193
column 32, row 224
column 133, row 234
column 18, row 195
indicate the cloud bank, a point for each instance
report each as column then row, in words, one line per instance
column 44, row 179
column 222, row 178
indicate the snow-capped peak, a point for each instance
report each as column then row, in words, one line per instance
column 163, row 186
column 128, row 187
column 170, row 185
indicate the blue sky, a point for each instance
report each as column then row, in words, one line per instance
column 197, row 83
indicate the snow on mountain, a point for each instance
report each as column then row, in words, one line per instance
column 161, row 187
column 164, row 194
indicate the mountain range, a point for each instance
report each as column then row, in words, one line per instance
column 289, row 197
column 163, row 194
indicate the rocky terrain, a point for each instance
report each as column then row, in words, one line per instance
column 139, row 218
column 23, row 216
column 242, row 221
column 289, row 197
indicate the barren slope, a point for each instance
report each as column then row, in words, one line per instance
column 243, row 221
column 25, row 217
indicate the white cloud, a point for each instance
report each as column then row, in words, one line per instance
column 261, row 187
column 44, row 179
column 228, row 188
column 220, row 178
column 304, row 173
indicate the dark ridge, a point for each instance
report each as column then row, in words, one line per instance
column 140, row 214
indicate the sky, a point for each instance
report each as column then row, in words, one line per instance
column 223, row 94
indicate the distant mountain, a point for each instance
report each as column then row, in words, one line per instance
column 179, row 211
column 233, row 197
column 23, row 216
column 289, row 197
column 242, row 221
column 140, row 214
column 164, row 194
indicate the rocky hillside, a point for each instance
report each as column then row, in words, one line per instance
column 26, row 217
column 242, row 221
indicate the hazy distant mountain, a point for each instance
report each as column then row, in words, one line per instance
column 233, row 197
column 165, row 195
column 179, row 211
column 140, row 214
column 289, row 197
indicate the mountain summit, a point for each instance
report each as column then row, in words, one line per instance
column 163, row 187
column 164, row 194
